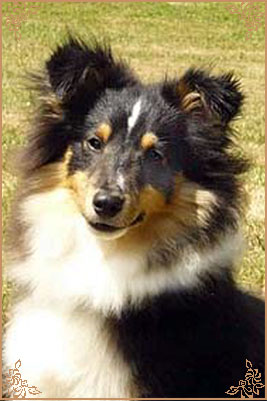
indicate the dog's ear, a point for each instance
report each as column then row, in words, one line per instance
column 206, row 96
column 75, row 66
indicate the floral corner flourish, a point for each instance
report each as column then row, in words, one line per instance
column 18, row 12
column 250, row 385
column 251, row 13
column 16, row 387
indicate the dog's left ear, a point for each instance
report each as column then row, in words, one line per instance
column 206, row 96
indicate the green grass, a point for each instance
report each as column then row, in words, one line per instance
column 156, row 38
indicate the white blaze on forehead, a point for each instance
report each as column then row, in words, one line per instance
column 120, row 181
column 135, row 114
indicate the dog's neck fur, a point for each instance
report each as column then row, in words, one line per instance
column 68, row 266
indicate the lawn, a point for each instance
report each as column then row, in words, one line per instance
column 156, row 38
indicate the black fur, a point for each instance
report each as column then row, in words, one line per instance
column 79, row 75
column 194, row 343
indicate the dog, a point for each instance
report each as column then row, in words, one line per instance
column 125, row 232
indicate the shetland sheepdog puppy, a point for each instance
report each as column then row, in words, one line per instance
column 124, row 234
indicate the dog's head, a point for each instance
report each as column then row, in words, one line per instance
column 137, row 157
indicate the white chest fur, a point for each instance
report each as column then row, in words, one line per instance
column 66, row 354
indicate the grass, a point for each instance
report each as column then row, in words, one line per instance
column 156, row 38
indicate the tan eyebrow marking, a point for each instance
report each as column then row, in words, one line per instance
column 148, row 140
column 104, row 131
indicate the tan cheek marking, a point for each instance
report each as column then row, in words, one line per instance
column 104, row 132
column 80, row 186
column 191, row 203
column 151, row 200
column 148, row 140
column 78, row 183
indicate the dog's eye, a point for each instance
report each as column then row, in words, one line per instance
column 155, row 155
column 94, row 144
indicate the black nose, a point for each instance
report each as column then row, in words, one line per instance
column 107, row 204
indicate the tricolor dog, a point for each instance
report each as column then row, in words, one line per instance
column 124, row 235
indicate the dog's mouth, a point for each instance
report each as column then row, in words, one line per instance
column 108, row 228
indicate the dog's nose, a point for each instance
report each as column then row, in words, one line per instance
column 107, row 204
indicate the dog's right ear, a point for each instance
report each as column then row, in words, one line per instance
column 209, row 97
column 76, row 67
